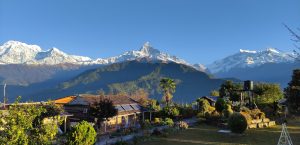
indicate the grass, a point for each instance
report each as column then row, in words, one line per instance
column 208, row 135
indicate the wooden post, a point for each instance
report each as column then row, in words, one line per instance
column 117, row 122
column 150, row 116
column 65, row 124
column 143, row 116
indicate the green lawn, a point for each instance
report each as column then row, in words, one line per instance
column 204, row 134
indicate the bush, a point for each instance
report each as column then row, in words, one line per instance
column 213, row 117
column 187, row 112
column 157, row 121
column 82, row 133
column 220, row 105
column 227, row 111
column 182, row 125
column 237, row 123
column 169, row 122
column 170, row 111
column 146, row 124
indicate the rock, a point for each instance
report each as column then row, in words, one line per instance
column 272, row 123
column 256, row 121
column 254, row 125
column 260, row 125
column 265, row 120
column 266, row 124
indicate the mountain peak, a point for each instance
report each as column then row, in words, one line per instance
column 148, row 49
column 274, row 50
column 247, row 51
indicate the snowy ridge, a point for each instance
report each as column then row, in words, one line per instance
column 14, row 52
column 249, row 58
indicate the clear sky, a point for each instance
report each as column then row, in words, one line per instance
column 199, row 31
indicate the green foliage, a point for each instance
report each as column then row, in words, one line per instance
column 267, row 93
column 186, row 111
column 168, row 87
column 220, row 105
column 212, row 117
column 157, row 121
column 82, row 134
column 170, row 111
column 23, row 125
column 215, row 93
column 203, row 106
column 292, row 92
column 169, row 122
column 237, row 123
column 153, row 105
column 146, row 124
column 228, row 89
column 227, row 111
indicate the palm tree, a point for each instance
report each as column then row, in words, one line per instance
column 168, row 87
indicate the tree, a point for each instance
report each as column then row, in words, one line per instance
column 220, row 105
column 82, row 134
column 170, row 111
column 267, row 93
column 215, row 93
column 141, row 96
column 230, row 89
column 168, row 86
column 23, row 125
column 292, row 92
column 102, row 110
column 203, row 106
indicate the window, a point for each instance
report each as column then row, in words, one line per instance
column 85, row 110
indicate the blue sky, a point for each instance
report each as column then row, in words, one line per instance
column 199, row 31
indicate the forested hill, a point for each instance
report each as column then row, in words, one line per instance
column 133, row 75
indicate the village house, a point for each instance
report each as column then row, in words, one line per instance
column 128, row 115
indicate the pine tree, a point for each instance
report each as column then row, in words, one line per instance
column 292, row 92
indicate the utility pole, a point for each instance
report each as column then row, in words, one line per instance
column 4, row 98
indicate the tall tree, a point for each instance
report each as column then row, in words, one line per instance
column 267, row 93
column 292, row 92
column 168, row 87
column 102, row 110
column 229, row 89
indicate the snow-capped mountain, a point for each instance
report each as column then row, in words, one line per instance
column 14, row 52
column 250, row 59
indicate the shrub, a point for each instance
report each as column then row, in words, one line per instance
column 82, row 133
column 220, row 105
column 237, row 123
column 212, row 117
column 169, row 122
column 146, row 124
column 170, row 111
column 157, row 121
column 182, row 125
column 227, row 111
column 203, row 105
column 186, row 112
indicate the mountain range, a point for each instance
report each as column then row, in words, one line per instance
column 15, row 52
column 35, row 73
